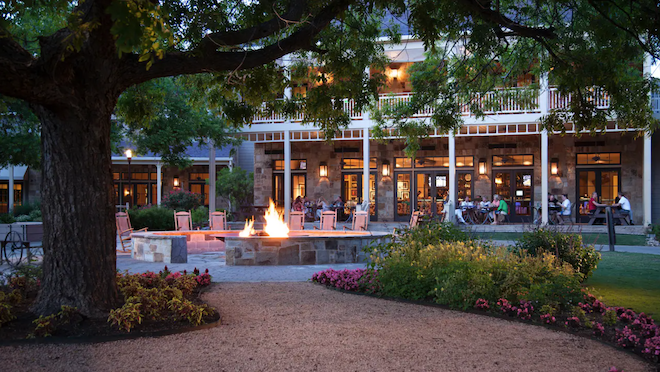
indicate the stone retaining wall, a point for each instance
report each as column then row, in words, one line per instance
column 265, row 251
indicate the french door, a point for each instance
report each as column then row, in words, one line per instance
column 351, row 191
column 427, row 191
column 515, row 186
column 605, row 182
column 298, row 187
column 431, row 189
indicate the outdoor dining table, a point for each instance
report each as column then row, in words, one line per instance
column 601, row 212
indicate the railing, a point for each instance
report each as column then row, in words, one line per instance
column 500, row 102
column 558, row 100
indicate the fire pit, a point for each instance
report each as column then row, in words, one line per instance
column 276, row 245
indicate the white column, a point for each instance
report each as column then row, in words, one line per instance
column 287, row 175
column 10, row 203
column 452, row 178
column 159, row 182
column 365, row 166
column 211, row 177
column 544, row 176
column 646, row 191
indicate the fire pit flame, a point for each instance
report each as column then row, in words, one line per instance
column 248, row 230
column 275, row 225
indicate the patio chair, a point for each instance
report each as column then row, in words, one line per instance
column 296, row 221
column 218, row 221
column 360, row 221
column 124, row 229
column 414, row 221
column 182, row 221
column 328, row 221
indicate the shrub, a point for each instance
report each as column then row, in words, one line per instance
column 158, row 297
column 27, row 208
column 182, row 200
column 460, row 273
column 153, row 217
column 350, row 280
column 200, row 216
column 6, row 218
column 567, row 247
column 609, row 317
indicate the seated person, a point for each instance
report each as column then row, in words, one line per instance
column 324, row 207
column 624, row 205
column 565, row 213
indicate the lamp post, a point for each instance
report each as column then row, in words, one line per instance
column 129, row 155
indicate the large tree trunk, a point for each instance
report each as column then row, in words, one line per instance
column 77, row 201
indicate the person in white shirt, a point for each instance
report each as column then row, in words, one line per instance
column 565, row 213
column 624, row 205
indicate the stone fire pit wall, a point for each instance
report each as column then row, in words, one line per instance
column 300, row 250
column 159, row 248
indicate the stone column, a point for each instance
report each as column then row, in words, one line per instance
column 287, row 175
column 544, row 176
column 646, row 189
column 211, row 177
column 365, row 167
column 159, row 182
column 451, row 200
column 10, row 202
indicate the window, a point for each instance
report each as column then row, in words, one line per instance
column 512, row 160
column 402, row 163
column 464, row 161
column 358, row 163
column 136, row 175
column 199, row 176
column 599, row 158
column 432, row 162
column 4, row 196
column 278, row 165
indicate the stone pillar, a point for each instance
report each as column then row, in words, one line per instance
column 287, row 175
column 211, row 177
column 646, row 189
column 10, row 202
column 365, row 166
column 451, row 200
column 544, row 176
column 159, row 182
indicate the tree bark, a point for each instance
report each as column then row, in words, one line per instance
column 77, row 200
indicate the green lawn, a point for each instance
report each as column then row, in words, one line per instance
column 630, row 280
column 587, row 238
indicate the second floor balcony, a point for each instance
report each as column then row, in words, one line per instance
column 508, row 101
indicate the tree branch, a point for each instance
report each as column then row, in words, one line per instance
column 230, row 38
column 489, row 15
column 193, row 62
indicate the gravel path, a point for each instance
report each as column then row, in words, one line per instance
column 304, row 327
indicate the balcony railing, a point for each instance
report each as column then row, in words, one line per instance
column 502, row 102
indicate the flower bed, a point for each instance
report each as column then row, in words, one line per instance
column 151, row 303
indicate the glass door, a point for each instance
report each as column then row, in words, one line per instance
column 517, row 189
column 351, row 192
column 278, row 190
column 403, row 196
column 431, row 190
column 605, row 182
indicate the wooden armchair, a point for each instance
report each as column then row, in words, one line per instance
column 218, row 221
column 414, row 221
column 182, row 221
column 296, row 221
column 328, row 221
column 124, row 229
column 360, row 221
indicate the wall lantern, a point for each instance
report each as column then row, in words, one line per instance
column 394, row 73
column 176, row 182
column 554, row 167
column 386, row 168
column 323, row 169
column 482, row 167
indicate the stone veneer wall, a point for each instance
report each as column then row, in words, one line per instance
column 153, row 248
column 265, row 251
column 562, row 148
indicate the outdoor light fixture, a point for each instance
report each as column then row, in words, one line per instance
column 323, row 169
column 129, row 154
column 386, row 168
column 482, row 166
column 176, row 182
column 554, row 167
column 394, row 73
column 498, row 180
